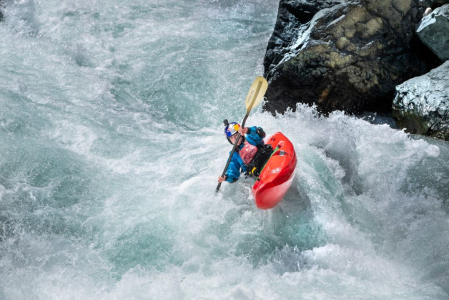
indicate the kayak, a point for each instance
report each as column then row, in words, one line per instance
column 277, row 175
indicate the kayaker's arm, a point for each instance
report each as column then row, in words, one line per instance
column 233, row 172
column 255, row 135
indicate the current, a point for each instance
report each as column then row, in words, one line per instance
column 111, row 143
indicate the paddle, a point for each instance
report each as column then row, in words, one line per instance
column 255, row 95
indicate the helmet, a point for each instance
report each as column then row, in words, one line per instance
column 231, row 129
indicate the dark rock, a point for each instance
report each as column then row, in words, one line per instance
column 349, row 55
column 439, row 2
column 422, row 104
column 432, row 3
column 291, row 15
column 434, row 31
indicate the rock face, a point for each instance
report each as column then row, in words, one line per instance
column 438, row 2
column 422, row 104
column 346, row 55
column 434, row 31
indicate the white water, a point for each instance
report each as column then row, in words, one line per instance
column 110, row 147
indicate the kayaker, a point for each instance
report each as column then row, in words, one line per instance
column 251, row 138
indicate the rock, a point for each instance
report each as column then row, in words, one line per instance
column 422, row 104
column 432, row 4
column 428, row 11
column 439, row 2
column 345, row 55
column 434, row 31
column 291, row 15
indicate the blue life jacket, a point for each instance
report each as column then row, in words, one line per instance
column 236, row 166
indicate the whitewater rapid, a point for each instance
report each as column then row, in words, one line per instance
column 111, row 143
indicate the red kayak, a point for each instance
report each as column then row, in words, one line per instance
column 277, row 175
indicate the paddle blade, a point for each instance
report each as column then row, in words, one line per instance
column 256, row 93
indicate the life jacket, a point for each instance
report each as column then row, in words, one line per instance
column 255, row 157
column 248, row 152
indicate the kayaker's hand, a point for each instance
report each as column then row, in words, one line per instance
column 221, row 179
column 243, row 130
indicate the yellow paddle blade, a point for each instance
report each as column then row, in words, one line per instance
column 256, row 93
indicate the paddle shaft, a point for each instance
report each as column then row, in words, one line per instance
column 232, row 152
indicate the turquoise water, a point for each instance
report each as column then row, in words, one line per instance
column 111, row 144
